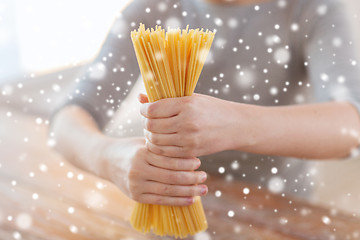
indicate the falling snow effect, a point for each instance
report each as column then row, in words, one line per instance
column 17, row 236
column 322, row 9
column 202, row 236
column 282, row 56
column 97, row 71
column 172, row 22
column 35, row 196
column 272, row 40
column 245, row 78
column 276, row 184
column 326, row 220
column 283, row 221
column 120, row 28
column 23, row 221
column 162, row 7
column 74, row 229
column 295, row 27
column 232, row 23
column 95, row 200
column 218, row 193
column 235, row 165
column 231, row 213
column 71, row 210
column 254, row 64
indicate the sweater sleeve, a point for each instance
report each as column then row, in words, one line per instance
column 331, row 53
column 105, row 83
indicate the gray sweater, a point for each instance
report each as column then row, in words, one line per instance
column 280, row 52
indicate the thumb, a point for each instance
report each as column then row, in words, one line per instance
column 143, row 98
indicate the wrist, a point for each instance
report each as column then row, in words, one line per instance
column 248, row 127
column 97, row 144
column 115, row 152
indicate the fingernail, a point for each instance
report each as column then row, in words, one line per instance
column 203, row 190
column 198, row 164
column 190, row 200
column 203, row 177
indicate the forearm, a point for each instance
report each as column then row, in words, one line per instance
column 78, row 138
column 314, row 131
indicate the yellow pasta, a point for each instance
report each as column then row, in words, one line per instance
column 170, row 64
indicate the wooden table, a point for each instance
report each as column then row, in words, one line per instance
column 44, row 197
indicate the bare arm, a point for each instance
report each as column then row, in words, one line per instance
column 78, row 138
column 200, row 125
column 314, row 131
column 140, row 174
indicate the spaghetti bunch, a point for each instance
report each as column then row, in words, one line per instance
column 170, row 64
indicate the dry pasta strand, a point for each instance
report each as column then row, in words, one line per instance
column 170, row 64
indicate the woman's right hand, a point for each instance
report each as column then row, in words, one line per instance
column 149, row 178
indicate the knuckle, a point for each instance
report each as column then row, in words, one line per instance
column 134, row 190
column 180, row 136
column 191, row 105
column 189, row 152
column 195, row 126
column 151, row 110
column 188, row 101
column 192, row 141
column 159, row 201
column 164, row 161
column 196, row 141
column 188, row 178
column 133, row 174
column 176, row 164
column 174, row 177
column 154, row 138
column 193, row 191
column 149, row 124
column 157, row 150
column 166, row 190
column 192, row 125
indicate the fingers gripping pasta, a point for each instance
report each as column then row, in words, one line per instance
column 170, row 64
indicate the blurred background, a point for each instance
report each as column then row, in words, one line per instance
column 43, row 44
column 38, row 38
column 33, row 32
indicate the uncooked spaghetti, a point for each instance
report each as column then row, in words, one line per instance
column 170, row 64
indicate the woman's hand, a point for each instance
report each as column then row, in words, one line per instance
column 149, row 178
column 190, row 126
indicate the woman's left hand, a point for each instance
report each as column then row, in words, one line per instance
column 190, row 126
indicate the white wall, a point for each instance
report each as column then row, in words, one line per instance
column 354, row 16
column 53, row 34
